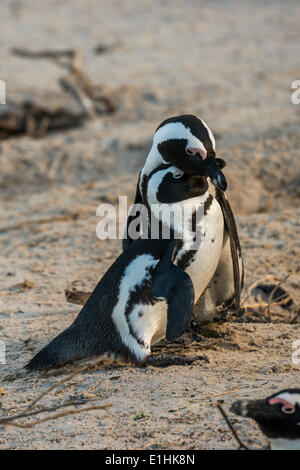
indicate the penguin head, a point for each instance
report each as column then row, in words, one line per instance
column 187, row 142
column 168, row 184
column 278, row 416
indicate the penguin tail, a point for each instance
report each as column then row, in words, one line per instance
column 66, row 347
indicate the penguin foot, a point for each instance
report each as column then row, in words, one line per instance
column 166, row 361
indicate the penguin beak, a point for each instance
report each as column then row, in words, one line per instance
column 220, row 181
column 215, row 166
column 193, row 162
column 212, row 168
column 208, row 165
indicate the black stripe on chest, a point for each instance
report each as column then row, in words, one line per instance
column 188, row 256
column 142, row 294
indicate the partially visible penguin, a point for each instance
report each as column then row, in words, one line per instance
column 144, row 296
column 187, row 142
column 278, row 416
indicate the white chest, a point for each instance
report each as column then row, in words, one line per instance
column 203, row 263
column 285, row 444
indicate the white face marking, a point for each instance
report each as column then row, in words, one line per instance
column 293, row 398
column 244, row 405
column 176, row 130
column 178, row 174
column 135, row 273
column 155, row 182
column 210, row 134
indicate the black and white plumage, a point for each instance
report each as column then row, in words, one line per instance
column 150, row 290
column 143, row 297
column 278, row 417
column 187, row 142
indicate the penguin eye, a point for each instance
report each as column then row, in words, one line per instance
column 288, row 409
column 178, row 174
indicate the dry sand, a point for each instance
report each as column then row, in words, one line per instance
column 231, row 63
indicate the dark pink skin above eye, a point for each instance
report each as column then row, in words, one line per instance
column 288, row 407
column 194, row 150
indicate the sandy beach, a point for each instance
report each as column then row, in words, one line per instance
column 231, row 63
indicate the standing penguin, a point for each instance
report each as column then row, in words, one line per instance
column 146, row 295
column 187, row 142
column 278, row 416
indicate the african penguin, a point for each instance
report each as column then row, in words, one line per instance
column 278, row 417
column 187, row 142
column 200, row 260
column 146, row 295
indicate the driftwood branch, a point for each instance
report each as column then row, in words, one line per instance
column 44, row 54
column 11, row 420
column 229, row 424
column 296, row 317
column 69, row 84
column 35, row 120
column 271, row 299
column 78, row 370
column 58, row 415
column 29, row 411
column 77, row 83
column 276, row 296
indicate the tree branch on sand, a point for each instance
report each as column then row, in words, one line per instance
column 30, row 411
column 229, row 424
column 35, row 119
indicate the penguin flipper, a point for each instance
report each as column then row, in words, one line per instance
column 175, row 286
column 235, row 248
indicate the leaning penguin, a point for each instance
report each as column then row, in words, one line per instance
column 278, row 416
column 149, row 293
column 145, row 295
column 216, row 270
